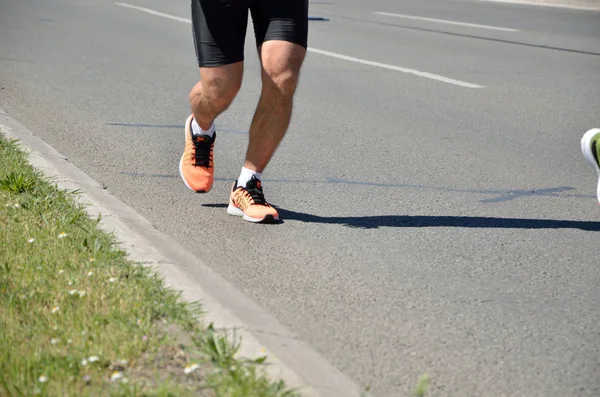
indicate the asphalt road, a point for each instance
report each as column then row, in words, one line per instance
column 428, row 226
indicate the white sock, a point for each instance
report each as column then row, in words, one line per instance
column 246, row 175
column 197, row 130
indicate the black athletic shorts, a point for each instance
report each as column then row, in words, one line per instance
column 219, row 26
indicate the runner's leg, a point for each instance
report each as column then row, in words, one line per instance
column 281, row 29
column 219, row 28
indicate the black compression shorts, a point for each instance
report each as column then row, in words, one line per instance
column 219, row 26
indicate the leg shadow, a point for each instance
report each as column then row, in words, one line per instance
column 375, row 222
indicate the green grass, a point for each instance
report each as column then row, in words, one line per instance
column 77, row 318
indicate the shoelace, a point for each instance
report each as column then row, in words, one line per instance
column 257, row 195
column 202, row 152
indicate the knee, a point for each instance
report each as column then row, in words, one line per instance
column 281, row 81
column 220, row 91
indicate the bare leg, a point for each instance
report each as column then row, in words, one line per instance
column 281, row 62
column 210, row 97
column 213, row 94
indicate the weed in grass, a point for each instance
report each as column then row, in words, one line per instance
column 17, row 183
column 422, row 385
column 237, row 376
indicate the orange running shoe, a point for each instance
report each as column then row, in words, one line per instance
column 249, row 202
column 197, row 165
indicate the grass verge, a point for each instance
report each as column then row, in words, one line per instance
column 77, row 318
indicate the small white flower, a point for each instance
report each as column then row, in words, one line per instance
column 123, row 362
column 116, row 376
column 17, row 206
column 112, row 280
column 43, row 379
column 190, row 368
column 92, row 259
column 81, row 293
column 90, row 274
column 55, row 309
column 93, row 359
column 84, row 362
column 62, row 235
column 61, row 271
column 73, row 292
column 70, row 283
column 53, row 341
column 31, row 240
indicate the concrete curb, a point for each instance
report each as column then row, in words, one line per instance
column 289, row 358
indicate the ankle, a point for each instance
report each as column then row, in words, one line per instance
column 198, row 130
column 246, row 175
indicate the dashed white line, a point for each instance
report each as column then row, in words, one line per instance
column 471, row 25
column 427, row 75
column 153, row 12
column 554, row 4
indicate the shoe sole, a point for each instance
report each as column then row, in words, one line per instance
column 186, row 132
column 235, row 211
column 586, row 148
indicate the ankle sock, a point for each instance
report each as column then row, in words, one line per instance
column 197, row 130
column 246, row 175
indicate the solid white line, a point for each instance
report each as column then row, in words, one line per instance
column 472, row 25
column 398, row 69
column 332, row 54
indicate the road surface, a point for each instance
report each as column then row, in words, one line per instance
column 438, row 214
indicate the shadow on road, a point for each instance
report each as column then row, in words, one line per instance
column 377, row 221
column 497, row 195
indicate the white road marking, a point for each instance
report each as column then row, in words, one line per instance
column 153, row 12
column 546, row 4
column 397, row 68
column 330, row 54
column 471, row 25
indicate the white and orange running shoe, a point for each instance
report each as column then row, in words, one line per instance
column 196, row 166
column 590, row 146
column 249, row 203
